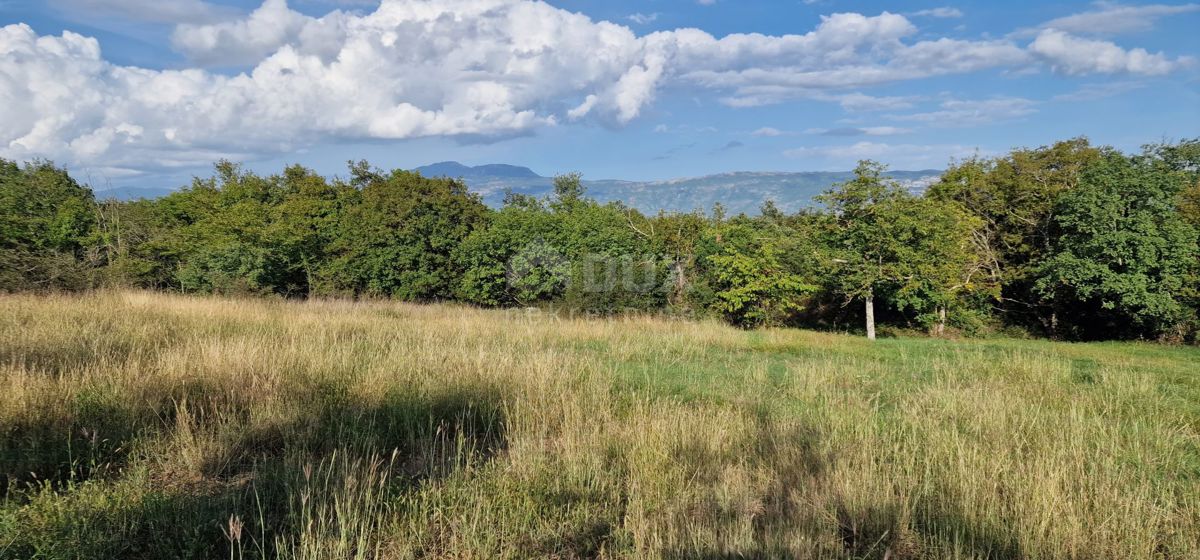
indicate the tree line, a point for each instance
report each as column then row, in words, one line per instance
column 1070, row 241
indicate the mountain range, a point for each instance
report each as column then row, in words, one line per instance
column 742, row 191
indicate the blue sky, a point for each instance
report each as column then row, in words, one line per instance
column 150, row 92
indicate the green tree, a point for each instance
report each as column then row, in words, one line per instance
column 614, row 262
column 754, row 286
column 884, row 240
column 1189, row 203
column 1123, row 254
column 863, row 253
column 216, row 235
column 47, row 227
column 566, row 248
column 938, row 265
column 513, row 259
column 304, row 225
column 134, row 238
column 397, row 236
column 676, row 238
column 1015, row 197
column 1182, row 159
column 568, row 191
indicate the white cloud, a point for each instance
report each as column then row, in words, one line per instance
column 1076, row 56
column 859, row 102
column 897, row 156
column 943, row 12
column 262, row 33
column 1092, row 92
column 859, row 131
column 956, row 112
column 767, row 131
column 955, row 56
column 884, row 130
column 845, row 51
column 156, row 11
column 642, row 19
column 584, row 108
column 453, row 68
column 1113, row 19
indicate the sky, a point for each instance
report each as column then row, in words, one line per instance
column 149, row 93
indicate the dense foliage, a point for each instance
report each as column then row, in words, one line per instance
column 47, row 224
column 1070, row 240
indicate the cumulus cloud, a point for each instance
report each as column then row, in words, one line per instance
column 453, row 68
column 1114, row 19
column 266, row 30
column 1074, row 56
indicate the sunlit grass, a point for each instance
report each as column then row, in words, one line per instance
column 148, row 425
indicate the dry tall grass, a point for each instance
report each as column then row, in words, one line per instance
column 142, row 425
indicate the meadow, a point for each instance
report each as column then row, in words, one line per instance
column 148, row 425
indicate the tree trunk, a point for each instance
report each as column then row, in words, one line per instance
column 677, row 298
column 870, row 301
column 940, row 328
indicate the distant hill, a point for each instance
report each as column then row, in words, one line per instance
column 742, row 191
column 738, row 192
column 133, row 193
column 494, row 170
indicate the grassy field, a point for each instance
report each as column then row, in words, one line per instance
column 139, row 425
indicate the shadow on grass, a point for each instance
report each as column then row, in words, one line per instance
column 877, row 529
column 95, row 520
column 257, row 484
column 93, row 436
